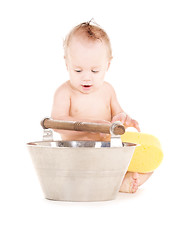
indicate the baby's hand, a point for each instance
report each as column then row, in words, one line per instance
column 126, row 120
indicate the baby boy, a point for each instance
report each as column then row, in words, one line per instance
column 86, row 96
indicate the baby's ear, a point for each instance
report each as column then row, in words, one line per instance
column 66, row 62
column 109, row 63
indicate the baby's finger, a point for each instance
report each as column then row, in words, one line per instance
column 115, row 118
column 136, row 125
column 128, row 121
column 122, row 117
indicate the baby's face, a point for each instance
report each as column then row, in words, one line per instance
column 87, row 62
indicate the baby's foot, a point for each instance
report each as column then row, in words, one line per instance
column 130, row 183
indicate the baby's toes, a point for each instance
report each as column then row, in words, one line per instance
column 135, row 183
column 133, row 187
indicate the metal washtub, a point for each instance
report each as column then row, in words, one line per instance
column 81, row 170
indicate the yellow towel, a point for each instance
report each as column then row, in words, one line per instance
column 148, row 155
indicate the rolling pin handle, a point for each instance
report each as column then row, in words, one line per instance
column 117, row 128
column 42, row 122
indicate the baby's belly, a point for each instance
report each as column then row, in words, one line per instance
column 88, row 116
column 87, row 136
column 84, row 111
column 95, row 113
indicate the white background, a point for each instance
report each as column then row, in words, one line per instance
column 144, row 72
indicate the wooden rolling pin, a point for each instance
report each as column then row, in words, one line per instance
column 115, row 128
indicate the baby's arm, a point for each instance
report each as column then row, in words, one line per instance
column 61, row 111
column 118, row 113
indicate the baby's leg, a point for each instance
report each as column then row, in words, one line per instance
column 133, row 180
column 143, row 177
column 130, row 183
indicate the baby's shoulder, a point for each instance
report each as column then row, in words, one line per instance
column 108, row 87
column 63, row 90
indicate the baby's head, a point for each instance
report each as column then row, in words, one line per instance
column 87, row 54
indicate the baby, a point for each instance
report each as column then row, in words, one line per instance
column 86, row 96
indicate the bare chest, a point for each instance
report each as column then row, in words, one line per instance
column 90, row 106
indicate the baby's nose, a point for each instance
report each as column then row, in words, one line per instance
column 87, row 76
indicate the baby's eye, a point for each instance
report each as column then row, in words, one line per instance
column 77, row 70
column 94, row 71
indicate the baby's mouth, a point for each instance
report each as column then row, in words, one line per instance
column 86, row 86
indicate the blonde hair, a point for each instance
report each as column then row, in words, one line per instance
column 91, row 32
